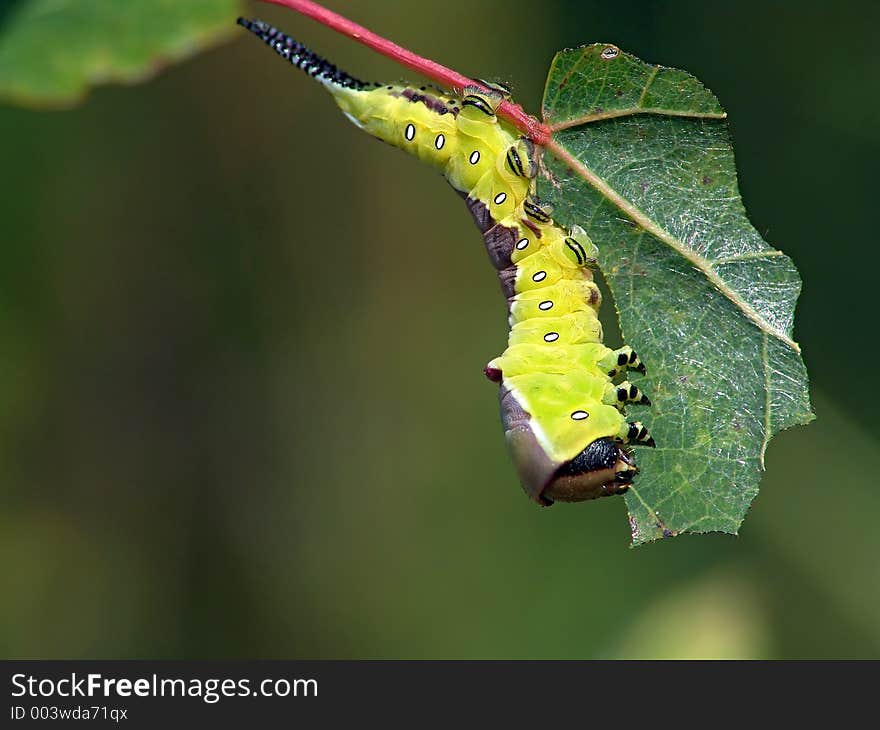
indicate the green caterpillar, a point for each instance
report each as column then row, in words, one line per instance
column 561, row 409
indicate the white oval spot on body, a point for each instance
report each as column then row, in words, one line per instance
column 409, row 132
column 475, row 157
column 440, row 141
column 522, row 243
column 539, row 276
column 544, row 306
column 579, row 415
column 500, row 198
column 551, row 337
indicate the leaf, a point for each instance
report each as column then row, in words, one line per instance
column 640, row 156
column 51, row 51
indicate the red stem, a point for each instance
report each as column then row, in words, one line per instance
column 514, row 113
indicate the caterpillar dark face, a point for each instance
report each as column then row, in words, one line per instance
column 560, row 405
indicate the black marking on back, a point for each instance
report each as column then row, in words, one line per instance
column 300, row 56
column 578, row 250
column 535, row 211
column 514, row 163
column 478, row 103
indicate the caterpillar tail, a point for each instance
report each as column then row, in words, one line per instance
column 561, row 397
column 308, row 61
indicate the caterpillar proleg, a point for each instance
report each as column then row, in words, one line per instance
column 562, row 400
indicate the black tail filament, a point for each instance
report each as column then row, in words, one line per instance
column 300, row 56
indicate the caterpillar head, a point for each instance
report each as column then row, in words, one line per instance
column 580, row 241
column 519, row 160
column 538, row 210
column 602, row 469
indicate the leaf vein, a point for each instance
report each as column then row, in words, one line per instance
column 654, row 515
column 695, row 259
column 749, row 256
column 631, row 111
column 648, row 83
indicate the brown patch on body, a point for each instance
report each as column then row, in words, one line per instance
column 532, row 227
column 507, row 277
column 434, row 103
column 499, row 241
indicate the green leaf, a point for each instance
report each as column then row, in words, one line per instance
column 641, row 157
column 51, row 51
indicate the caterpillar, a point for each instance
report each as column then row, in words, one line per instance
column 562, row 402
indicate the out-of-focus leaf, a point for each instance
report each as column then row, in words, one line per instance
column 718, row 616
column 816, row 502
column 52, row 51
column 643, row 161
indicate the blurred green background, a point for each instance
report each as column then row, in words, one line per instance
column 242, row 412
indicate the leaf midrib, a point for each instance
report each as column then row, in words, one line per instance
column 631, row 111
column 638, row 216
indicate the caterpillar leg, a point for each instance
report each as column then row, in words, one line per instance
column 635, row 433
column 623, row 393
column 623, row 358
